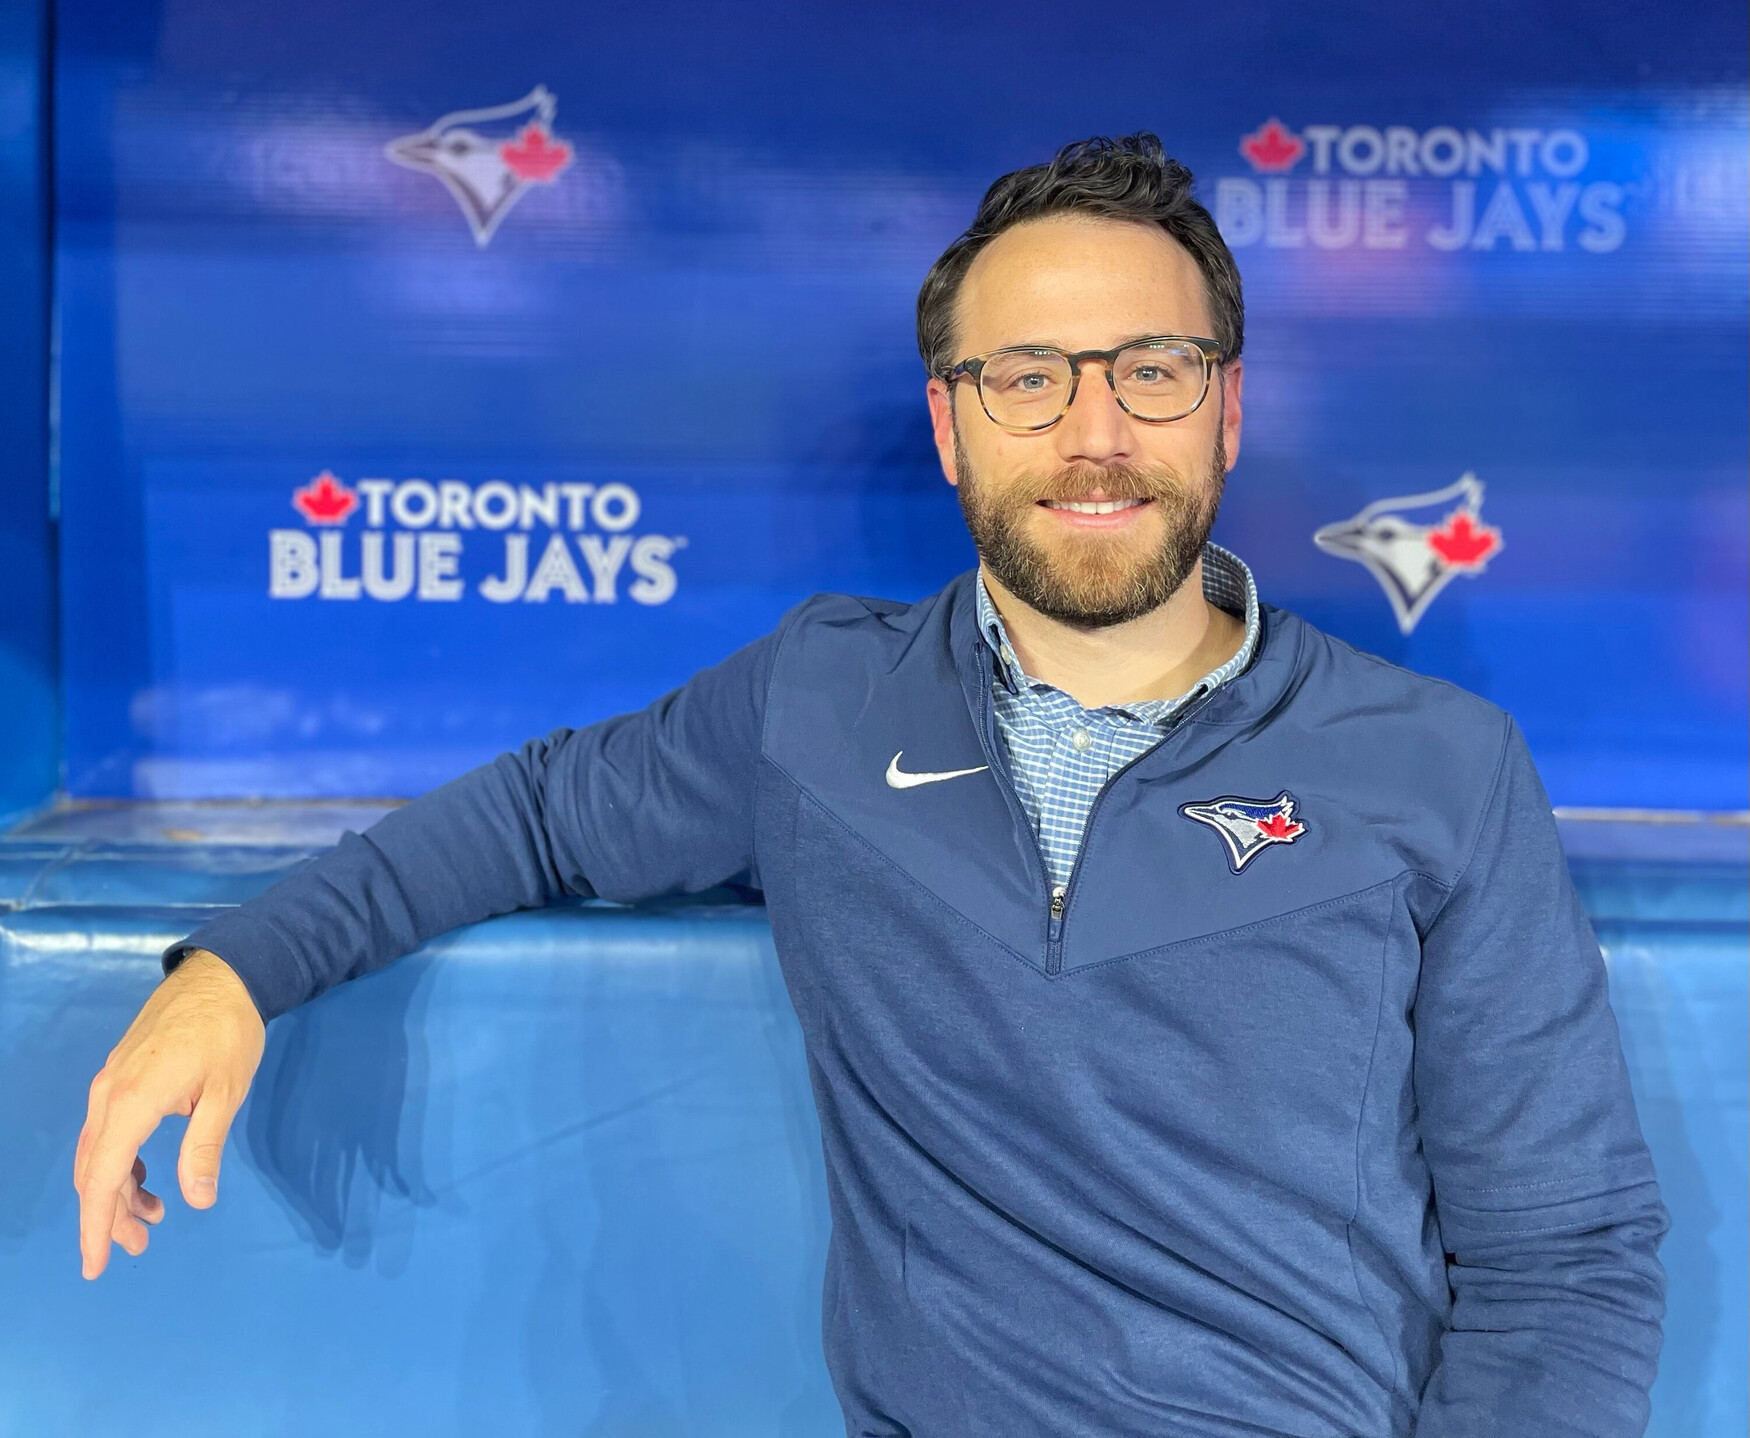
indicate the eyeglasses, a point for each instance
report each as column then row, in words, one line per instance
column 1031, row 387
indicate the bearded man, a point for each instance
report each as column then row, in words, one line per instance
column 1206, row 1036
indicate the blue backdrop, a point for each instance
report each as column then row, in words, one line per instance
column 434, row 374
column 29, row 707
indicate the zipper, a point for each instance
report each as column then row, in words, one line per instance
column 1057, row 896
column 997, row 756
column 1061, row 894
column 1054, row 930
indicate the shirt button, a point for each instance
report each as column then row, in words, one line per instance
column 1081, row 739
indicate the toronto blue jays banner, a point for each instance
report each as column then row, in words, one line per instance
column 431, row 376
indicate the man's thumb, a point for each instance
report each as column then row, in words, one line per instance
column 202, row 1146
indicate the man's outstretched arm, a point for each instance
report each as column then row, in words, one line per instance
column 660, row 801
column 1544, row 1189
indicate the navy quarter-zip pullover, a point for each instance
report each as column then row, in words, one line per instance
column 1302, row 1112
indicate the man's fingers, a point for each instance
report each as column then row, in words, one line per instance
column 147, row 1207
column 127, row 1230
column 108, row 1161
column 143, row 1204
column 97, row 1100
column 202, row 1147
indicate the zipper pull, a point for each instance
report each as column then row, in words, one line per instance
column 1057, row 904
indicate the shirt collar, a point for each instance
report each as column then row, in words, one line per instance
column 1227, row 584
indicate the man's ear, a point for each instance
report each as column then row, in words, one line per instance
column 942, row 427
column 1232, row 378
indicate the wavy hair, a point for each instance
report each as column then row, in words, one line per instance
column 1132, row 178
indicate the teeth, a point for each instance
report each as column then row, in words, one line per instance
column 1090, row 506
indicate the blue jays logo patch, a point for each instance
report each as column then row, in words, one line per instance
column 1249, row 826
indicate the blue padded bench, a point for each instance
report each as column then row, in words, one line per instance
column 559, row 1172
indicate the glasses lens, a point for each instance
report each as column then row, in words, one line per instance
column 1161, row 379
column 1025, row 388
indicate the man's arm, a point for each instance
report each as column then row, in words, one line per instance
column 1543, row 1186
column 660, row 801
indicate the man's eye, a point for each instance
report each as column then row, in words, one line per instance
column 1155, row 373
column 1028, row 382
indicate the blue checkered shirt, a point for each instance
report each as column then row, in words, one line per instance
column 1062, row 754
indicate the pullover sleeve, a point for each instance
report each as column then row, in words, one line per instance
column 659, row 801
column 1543, row 1187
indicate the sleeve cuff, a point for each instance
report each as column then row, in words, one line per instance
column 268, row 966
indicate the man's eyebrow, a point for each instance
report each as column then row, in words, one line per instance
column 1119, row 343
column 1024, row 345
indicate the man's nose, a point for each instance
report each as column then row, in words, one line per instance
column 1095, row 428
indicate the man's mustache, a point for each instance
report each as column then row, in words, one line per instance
column 1075, row 483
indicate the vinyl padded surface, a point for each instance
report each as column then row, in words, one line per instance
column 559, row 1173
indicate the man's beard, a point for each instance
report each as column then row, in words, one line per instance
column 1093, row 580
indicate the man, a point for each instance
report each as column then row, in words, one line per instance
column 1205, row 1034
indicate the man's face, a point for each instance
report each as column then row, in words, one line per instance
column 1079, row 284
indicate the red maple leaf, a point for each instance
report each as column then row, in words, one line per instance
column 1273, row 146
column 535, row 156
column 1280, row 826
column 325, row 500
column 1462, row 542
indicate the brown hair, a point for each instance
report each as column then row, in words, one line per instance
column 1132, row 178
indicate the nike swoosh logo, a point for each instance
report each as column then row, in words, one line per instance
column 897, row 778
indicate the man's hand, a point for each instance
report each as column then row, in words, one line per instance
column 192, row 1049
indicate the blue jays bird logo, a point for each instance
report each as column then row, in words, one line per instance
column 488, row 158
column 1248, row 826
column 1415, row 544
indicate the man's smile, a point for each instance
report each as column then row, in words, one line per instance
column 1095, row 513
